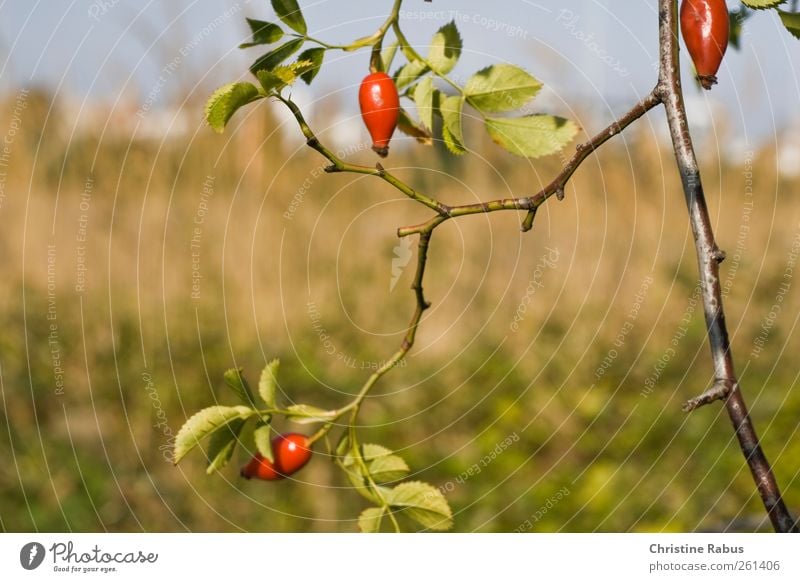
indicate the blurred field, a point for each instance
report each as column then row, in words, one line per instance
column 579, row 340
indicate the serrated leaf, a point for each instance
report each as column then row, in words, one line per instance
column 370, row 520
column 263, row 441
column 411, row 128
column 423, row 97
column 531, row 136
column 500, row 88
column 423, row 503
column 306, row 414
column 275, row 57
column 369, row 452
column 226, row 100
column 203, row 424
column 791, row 20
column 361, row 485
column 268, row 383
column 235, row 380
column 388, row 468
column 450, row 109
column 289, row 13
column 275, row 80
column 388, row 54
column 263, row 33
column 314, row 56
column 445, row 49
column 762, row 4
column 409, row 73
column 222, row 444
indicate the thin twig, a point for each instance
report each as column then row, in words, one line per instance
column 555, row 187
column 339, row 165
column 709, row 256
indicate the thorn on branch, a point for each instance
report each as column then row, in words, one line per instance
column 331, row 169
column 560, row 193
column 718, row 254
column 381, row 169
column 719, row 391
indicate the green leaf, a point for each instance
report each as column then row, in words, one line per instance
column 315, row 57
column 423, row 97
column 306, row 414
column 275, row 80
column 275, row 57
column 204, row 423
column 226, row 100
column 369, row 452
column 361, row 486
column 263, row 33
column 411, row 128
column 450, row 109
column 289, row 13
column 762, row 4
column 500, row 88
column 235, row 380
column 531, row 136
column 791, row 20
column 370, row 520
column 263, row 439
column 423, row 503
column 268, row 383
column 388, row 468
column 409, row 73
column 223, row 443
column 445, row 49
column 381, row 463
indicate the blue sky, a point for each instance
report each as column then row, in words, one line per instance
column 586, row 51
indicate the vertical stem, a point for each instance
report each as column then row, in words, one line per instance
column 709, row 256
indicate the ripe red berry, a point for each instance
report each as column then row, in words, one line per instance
column 704, row 26
column 291, row 452
column 380, row 109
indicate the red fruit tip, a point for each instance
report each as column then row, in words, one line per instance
column 707, row 81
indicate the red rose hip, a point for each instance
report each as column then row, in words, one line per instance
column 380, row 109
column 705, row 27
column 291, row 452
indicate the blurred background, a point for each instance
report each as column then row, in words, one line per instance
column 143, row 255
